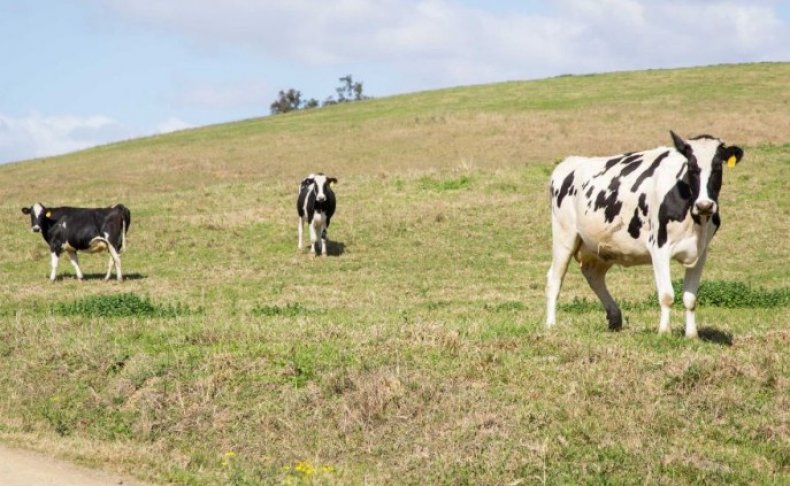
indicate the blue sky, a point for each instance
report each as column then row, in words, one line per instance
column 77, row 73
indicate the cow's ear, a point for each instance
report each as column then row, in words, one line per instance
column 332, row 180
column 732, row 155
column 25, row 210
column 306, row 181
column 680, row 144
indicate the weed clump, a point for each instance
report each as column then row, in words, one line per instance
column 289, row 310
column 118, row 305
column 462, row 182
column 713, row 293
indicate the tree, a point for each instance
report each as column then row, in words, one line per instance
column 287, row 101
column 349, row 90
column 291, row 100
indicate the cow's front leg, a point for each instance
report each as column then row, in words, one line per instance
column 690, row 286
column 666, row 295
column 53, row 262
column 323, row 240
column 75, row 262
column 313, row 236
column 595, row 273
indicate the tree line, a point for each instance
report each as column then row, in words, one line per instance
column 291, row 99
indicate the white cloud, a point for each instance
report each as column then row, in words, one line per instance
column 441, row 42
column 173, row 124
column 36, row 135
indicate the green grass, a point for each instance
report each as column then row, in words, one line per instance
column 118, row 305
column 417, row 352
column 716, row 293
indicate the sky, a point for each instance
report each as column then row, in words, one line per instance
column 79, row 73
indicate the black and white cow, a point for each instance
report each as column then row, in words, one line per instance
column 90, row 230
column 316, row 204
column 638, row 208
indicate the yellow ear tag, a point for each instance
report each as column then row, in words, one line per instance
column 731, row 161
column 49, row 214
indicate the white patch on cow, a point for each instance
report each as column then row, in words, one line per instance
column 37, row 210
column 320, row 182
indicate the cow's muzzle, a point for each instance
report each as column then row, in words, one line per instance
column 705, row 207
column 36, row 229
column 320, row 198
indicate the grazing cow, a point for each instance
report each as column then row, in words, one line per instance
column 316, row 203
column 638, row 208
column 91, row 230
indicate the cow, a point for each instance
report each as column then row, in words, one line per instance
column 69, row 230
column 638, row 208
column 316, row 204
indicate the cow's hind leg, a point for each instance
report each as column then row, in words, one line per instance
column 75, row 262
column 300, row 232
column 109, row 268
column 595, row 273
column 563, row 249
column 114, row 259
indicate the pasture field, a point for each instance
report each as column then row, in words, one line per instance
column 416, row 352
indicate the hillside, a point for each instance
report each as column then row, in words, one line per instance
column 416, row 352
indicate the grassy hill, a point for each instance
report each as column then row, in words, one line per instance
column 415, row 353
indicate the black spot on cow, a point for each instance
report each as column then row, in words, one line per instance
column 714, row 182
column 589, row 192
column 643, row 203
column 649, row 171
column 611, row 163
column 675, row 207
column 635, row 226
column 631, row 164
column 610, row 204
column 566, row 186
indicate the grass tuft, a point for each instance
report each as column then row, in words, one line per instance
column 713, row 293
column 430, row 184
column 288, row 310
column 118, row 305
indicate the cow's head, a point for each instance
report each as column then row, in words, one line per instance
column 706, row 155
column 37, row 213
column 321, row 185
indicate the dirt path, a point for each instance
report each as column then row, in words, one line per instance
column 25, row 468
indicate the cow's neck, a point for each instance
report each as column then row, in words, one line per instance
column 46, row 227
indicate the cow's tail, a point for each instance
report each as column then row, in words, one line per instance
column 123, row 236
column 126, row 221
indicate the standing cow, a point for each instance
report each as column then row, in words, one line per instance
column 90, row 230
column 638, row 208
column 316, row 204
